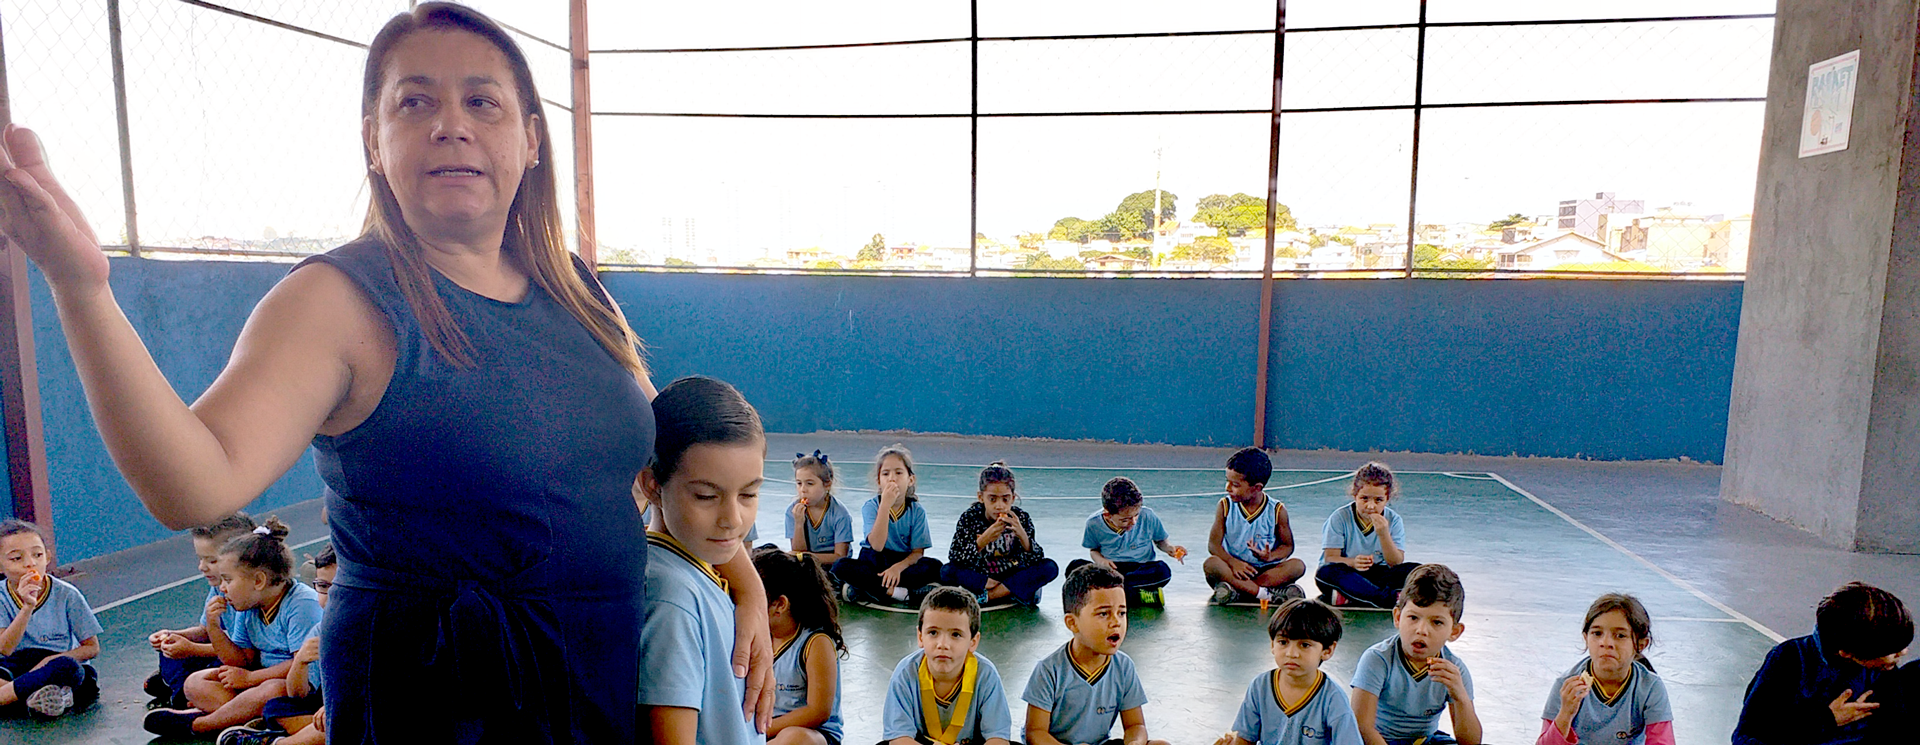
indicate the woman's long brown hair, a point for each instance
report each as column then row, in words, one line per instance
column 533, row 241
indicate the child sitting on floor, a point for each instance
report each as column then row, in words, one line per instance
column 1362, row 544
column 47, row 630
column 893, row 564
column 1251, row 546
column 1075, row 694
column 261, row 619
column 1613, row 695
column 300, row 717
column 947, row 693
column 1820, row 688
column 184, row 652
column 1295, row 702
column 994, row 554
column 817, row 524
column 1123, row 535
column 1403, row 683
column 805, row 624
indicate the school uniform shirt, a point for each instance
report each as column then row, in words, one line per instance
column 1345, row 531
column 276, row 632
column 686, row 646
column 1135, row 546
column 1624, row 718
column 986, row 718
column 1410, row 703
column 1083, row 704
column 907, row 531
column 790, row 680
column 60, row 622
column 1322, row 717
column 1243, row 526
column 212, row 592
column 835, row 527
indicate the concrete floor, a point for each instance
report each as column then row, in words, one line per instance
column 1529, row 574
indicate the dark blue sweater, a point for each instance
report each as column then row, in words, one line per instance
column 1787, row 701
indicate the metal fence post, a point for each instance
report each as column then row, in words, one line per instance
column 120, row 118
column 19, row 379
column 1413, row 177
column 1265, row 345
column 582, row 136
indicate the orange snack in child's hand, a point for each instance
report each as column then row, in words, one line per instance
column 1180, row 553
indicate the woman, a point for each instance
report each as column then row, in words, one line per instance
column 478, row 407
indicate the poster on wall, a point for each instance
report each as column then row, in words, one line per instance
column 1829, row 116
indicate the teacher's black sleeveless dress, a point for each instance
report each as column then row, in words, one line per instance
column 492, row 560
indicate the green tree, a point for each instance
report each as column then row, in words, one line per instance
column 1508, row 221
column 1428, row 256
column 827, row 264
column 1124, row 224
column 1238, row 214
column 1207, row 249
column 1133, row 218
column 875, row 250
column 1041, row 260
column 671, row 261
column 1073, row 229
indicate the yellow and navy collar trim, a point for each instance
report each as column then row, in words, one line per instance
column 268, row 613
column 1366, row 528
column 669, row 543
column 788, row 644
column 1255, row 514
column 1091, row 676
column 1619, row 693
column 45, row 593
column 1418, row 674
column 899, row 510
column 1319, row 679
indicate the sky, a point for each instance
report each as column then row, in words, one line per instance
column 239, row 129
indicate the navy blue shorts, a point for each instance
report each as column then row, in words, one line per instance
column 291, row 706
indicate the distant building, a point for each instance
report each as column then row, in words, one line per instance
column 1116, row 263
column 1595, row 217
column 1674, row 239
column 1565, row 248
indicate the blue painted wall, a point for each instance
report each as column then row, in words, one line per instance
column 1611, row 370
column 189, row 313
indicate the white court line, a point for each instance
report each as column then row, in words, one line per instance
column 1671, row 577
column 179, row 582
column 1552, row 614
column 1345, row 471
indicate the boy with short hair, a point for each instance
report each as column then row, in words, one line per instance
column 1122, row 537
column 946, row 693
column 184, row 652
column 1251, row 545
column 1815, row 689
column 1296, row 702
column 1403, row 683
column 1075, row 694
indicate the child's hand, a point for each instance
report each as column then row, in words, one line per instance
column 1363, row 562
column 233, row 678
column 1013, row 523
column 1572, row 693
column 1448, row 674
column 31, row 587
column 1179, row 554
column 799, row 510
column 1847, row 712
column 157, row 637
column 1227, row 739
column 1241, row 569
column 890, row 577
column 1106, row 563
column 1379, row 520
column 216, row 607
column 309, row 651
column 174, row 646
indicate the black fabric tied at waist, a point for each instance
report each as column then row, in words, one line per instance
column 486, row 637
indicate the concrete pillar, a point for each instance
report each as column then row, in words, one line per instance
column 1824, row 427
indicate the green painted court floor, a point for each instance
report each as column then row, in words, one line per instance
column 1529, row 574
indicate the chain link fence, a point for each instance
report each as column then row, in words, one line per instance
column 1459, row 138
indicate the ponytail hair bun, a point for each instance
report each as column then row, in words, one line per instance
column 264, row 549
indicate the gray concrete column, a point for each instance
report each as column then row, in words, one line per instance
column 1824, row 426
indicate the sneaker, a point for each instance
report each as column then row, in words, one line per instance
column 1292, row 592
column 983, row 600
column 847, row 593
column 249, row 735
column 50, row 700
column 157, row 687
column 1222, row 594
column 918, row 594
column 171, row 722
column 1152, row 596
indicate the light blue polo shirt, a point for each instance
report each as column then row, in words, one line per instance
column 906, row 532
column 1083, row 704
column 1240, row 528
column 1410, row 704
column 61, row 621
column 278, row 637
column 989, row 718
column 1346, row 533
column 1134, row 546
column 790, row 680
column 686, row 646
column 835, row 527
column 1322, row 717
column 1620, row 720
column 212, row 592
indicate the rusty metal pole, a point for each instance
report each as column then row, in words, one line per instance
column 19, row 380
column 1266, row 262
column 582, row 136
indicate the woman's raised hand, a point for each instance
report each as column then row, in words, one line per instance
column 39, row 217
